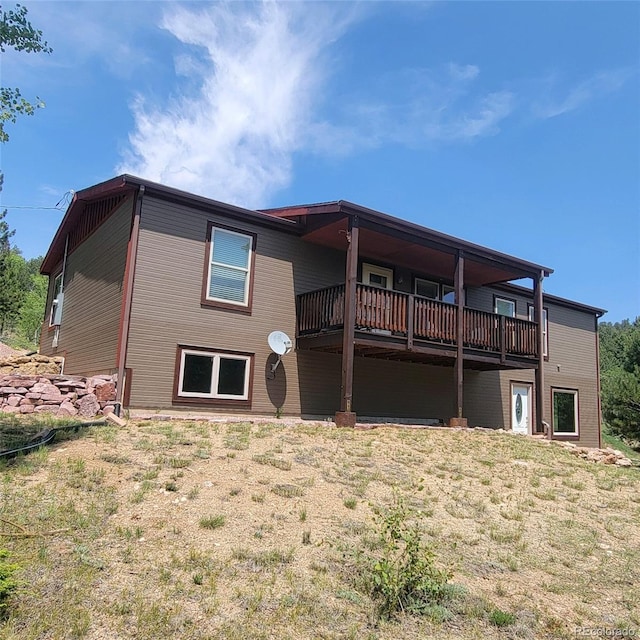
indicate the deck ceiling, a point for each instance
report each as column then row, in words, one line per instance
column 415, row 254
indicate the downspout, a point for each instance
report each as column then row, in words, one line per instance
column 130, row 268
column 598, row 387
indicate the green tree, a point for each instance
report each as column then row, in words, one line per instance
column 14, row 284
column 16, row 32
column 620, row 365
column 31, row 314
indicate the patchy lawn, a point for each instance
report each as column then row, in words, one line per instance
column 197, row 530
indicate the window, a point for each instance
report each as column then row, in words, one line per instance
column 565, row 411
column 434, row 290
column 228, row 268
column 545, row 328
column 55, row 315
column 504, row 307
column 213, row 376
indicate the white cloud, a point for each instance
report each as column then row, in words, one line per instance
column 254, row 74
column 597, row 85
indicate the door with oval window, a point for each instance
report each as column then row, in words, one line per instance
column 521, row 407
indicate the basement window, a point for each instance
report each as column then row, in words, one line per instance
column 222, row 377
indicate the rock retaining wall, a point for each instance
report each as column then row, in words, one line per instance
column 35, row 364
column 57, row 394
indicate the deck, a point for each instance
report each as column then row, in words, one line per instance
column 402, row 326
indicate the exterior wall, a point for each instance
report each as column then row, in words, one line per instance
column 571, row 364
column 166, row 310
column 88, row 336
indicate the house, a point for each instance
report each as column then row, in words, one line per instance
column 177, row 294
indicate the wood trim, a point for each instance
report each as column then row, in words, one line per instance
column 128, row 380
column 598, row 387
column 127, row 293
column 212, row 402
column 216, row 304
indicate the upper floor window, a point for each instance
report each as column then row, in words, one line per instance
column 545, row 328
column 55, row 314
column 229, row 267
column 434, row 290
column 504, row 307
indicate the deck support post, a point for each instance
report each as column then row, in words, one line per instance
column 539, row 316
column 459, row 371
column 346, row 416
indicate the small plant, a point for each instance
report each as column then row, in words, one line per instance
column 7, row 582
column 212, row 522
column 288, row 490
column 350, row 503
column 402, row 575
column 198, row 578
column 306, row 537
column 500, row 618
column 302, row 515
column 170, row 485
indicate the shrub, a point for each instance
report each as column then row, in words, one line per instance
column 402, row 575
column 7, row 582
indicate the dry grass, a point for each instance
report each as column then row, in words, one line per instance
column 193, row 530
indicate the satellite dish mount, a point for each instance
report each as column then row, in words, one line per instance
column 280, row 344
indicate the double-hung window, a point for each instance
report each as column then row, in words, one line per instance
column 55, row 316
column 229, row 268
column 545, row 328
column 213, row 375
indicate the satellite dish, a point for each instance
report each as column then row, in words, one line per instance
column 279, row 342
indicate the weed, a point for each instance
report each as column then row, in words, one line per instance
column 257, row 497
column 278, row 463
column 170, row 485
column 288, row 490
column 302, row 515
column 350, row 503
column 212, row 522
column 306, row 537
column 8, row 583
column 500, row 618
column 403, row 575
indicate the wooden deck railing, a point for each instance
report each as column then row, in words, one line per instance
column 405, row 315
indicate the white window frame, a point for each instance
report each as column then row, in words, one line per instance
column 545, row 328
column 574, row 393
column 215, row 377
column 57, row 291
column 509, row 301
column 246, row 270
column 384, row 272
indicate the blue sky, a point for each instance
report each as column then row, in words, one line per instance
column 515, row 125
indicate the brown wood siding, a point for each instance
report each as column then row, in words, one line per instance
column 166, row 308
column 572, row 364
column 92, row 299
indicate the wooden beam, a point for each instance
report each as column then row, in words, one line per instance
column 349, row 329
column 539, row 317
column 459, row 292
